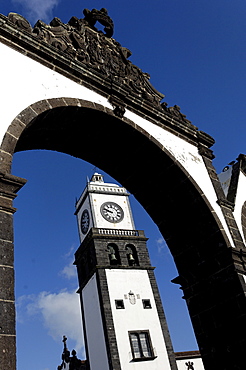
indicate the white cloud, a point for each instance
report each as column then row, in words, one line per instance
column 161, row 244
column 69, row 271
column 37, row 9
column 70, row 252
column 60, row 313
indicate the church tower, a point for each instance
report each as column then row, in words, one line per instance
column 123, row 319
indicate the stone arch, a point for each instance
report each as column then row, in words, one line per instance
column 62, row 124
column 176, row 204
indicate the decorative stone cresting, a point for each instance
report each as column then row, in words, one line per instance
column 98, row 52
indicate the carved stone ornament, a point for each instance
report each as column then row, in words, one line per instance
column 175, row 112
column 119, row 106
column 20, row 22
column 132, row 297
column 102, row 17
column 95, row 50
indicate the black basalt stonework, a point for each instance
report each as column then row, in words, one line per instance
column 211, row 272
column 244, row 219
column 9, row 185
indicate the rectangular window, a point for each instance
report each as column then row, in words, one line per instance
column 146, row 303
column 141, row 346
column 119, row 304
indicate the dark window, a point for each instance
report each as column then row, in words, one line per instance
column 131, row 255
column 119, row 303
column 113, row 253
column 146, row 303
column 141, row 346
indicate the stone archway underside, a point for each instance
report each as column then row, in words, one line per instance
column 194, row 236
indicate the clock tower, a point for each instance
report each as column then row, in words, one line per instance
column 123, row 319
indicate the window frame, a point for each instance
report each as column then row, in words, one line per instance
column 149, row 346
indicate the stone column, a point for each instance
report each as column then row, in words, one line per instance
column 9, row 186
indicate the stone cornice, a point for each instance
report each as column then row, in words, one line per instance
column 9, row 186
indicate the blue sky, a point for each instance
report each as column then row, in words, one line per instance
column 194, row 51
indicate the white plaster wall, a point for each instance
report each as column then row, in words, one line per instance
column 239, row 201
column 25, row 81
column 197, row 364
column 94, row 327
column 135, row 317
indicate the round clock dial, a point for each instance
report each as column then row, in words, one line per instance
column 85, row 221
column 112, row 212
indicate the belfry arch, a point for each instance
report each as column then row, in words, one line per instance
column 149, row 140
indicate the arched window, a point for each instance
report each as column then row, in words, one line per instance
column 132, row 256
column 113, row 253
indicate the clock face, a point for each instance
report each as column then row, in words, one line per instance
column 112, row 212
column 85, row 221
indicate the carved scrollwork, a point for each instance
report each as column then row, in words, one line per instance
column 94, row 49
column 56, row 34
column 102, row 17
column 20, row 22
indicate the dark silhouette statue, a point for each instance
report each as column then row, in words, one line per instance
column 70, row 362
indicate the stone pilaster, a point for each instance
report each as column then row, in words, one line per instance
column 9, row 185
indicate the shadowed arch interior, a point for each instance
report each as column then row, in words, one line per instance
column 166, row 191
column 134, row 159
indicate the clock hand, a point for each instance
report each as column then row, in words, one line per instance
column 109, row 210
